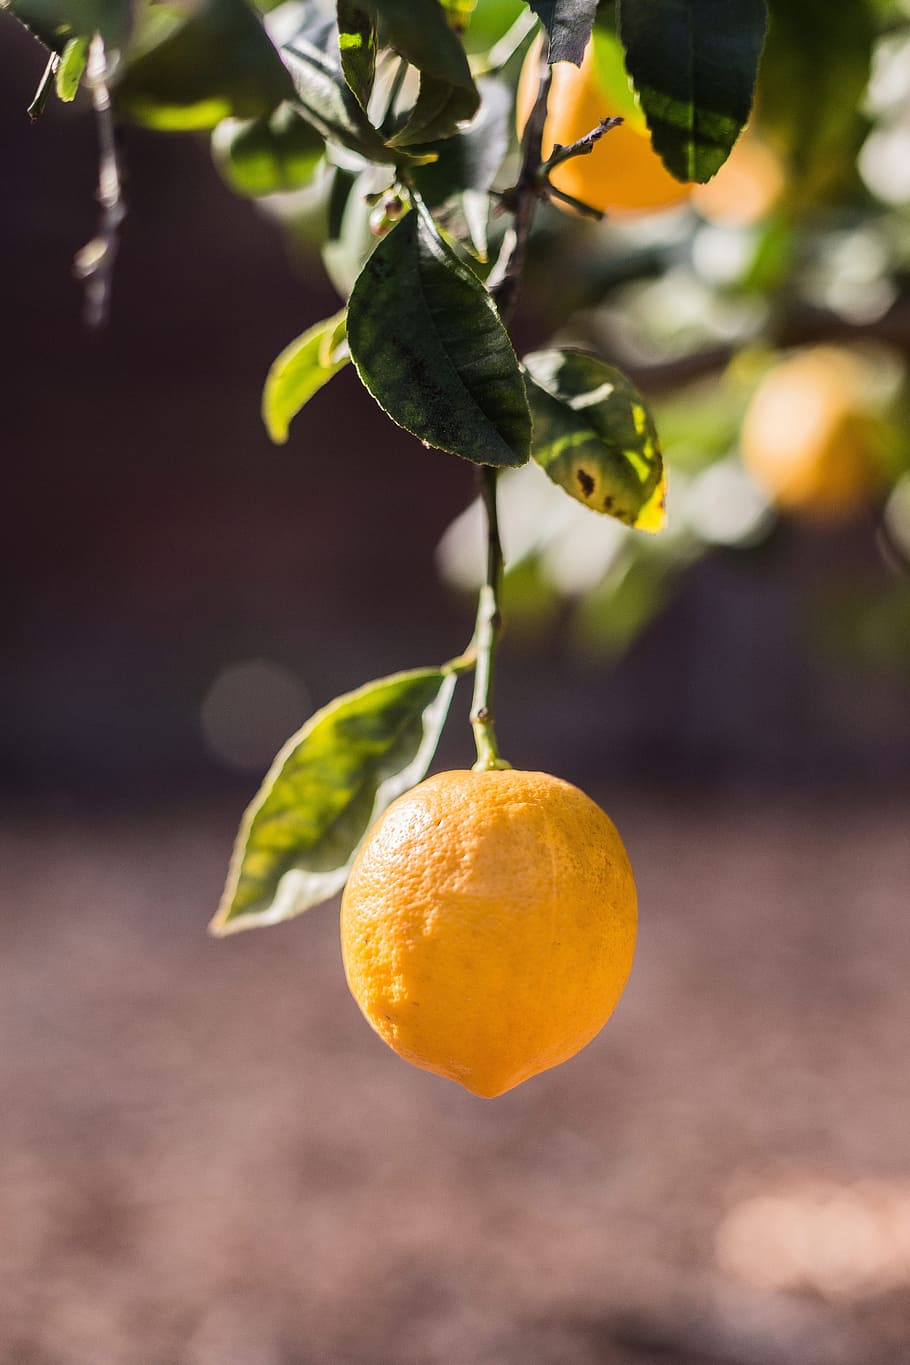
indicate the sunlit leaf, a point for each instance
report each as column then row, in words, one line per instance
column 278, row 152
column 594, row 436
column 694, row 64
column 327, row 786
column 357, row 48
column 68, row 76
column 431, row 348
column 301, row 370
column 323, row 93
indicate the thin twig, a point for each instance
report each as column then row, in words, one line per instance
column 522, row 199
column 583, row 147
column 95, row 262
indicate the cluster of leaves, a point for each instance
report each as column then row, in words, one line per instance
column 407, row 135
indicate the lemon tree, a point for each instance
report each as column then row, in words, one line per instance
column 431, row 140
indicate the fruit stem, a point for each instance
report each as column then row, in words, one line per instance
column 503, row 284
column 486, row 632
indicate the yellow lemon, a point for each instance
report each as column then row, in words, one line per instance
column 488, row 925
column 809, row 438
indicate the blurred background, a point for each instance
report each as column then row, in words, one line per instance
column 207, row 1157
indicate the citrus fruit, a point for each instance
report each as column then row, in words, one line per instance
column 809, row 438
column 623, row 174
column 488, row 925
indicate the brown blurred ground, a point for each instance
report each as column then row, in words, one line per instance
column 209, row 1159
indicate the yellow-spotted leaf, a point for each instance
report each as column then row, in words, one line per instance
column 594, row 436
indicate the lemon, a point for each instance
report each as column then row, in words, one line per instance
column 488, row 925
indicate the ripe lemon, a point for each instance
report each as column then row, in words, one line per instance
column 488, row 925
column 623, row 175
column 809, row 438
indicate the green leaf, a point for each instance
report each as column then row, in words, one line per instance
column 323, row 94
column 328, row 785
column 300, row 371
column 420, row 33
column 613, row 78
column 437, row 112
column 431, row 348
column 69, row 73
column 568, row 25
column 357, row 47
column 277, row 152
column 471, row 159
column 594, row 436
column 194, row 70
column 693, row 63
column 55, row 22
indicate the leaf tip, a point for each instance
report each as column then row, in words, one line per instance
column 653, row 514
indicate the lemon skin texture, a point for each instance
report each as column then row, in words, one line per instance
column 623, row 175
column 808, row 438
column 488, row 925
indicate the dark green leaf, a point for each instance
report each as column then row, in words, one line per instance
column 470, row 159
column 300, row 371
column 693, row 63
column 215, row 63
column 437, row 112
column 323, row 93
column 357, row 46
column 71, row 69
column 419, row 31
column 568, row 25
column 326, row 788
column 55, row 22
column 421, row 34
column 278, row 152
column 431, row 348
column 594, row 436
